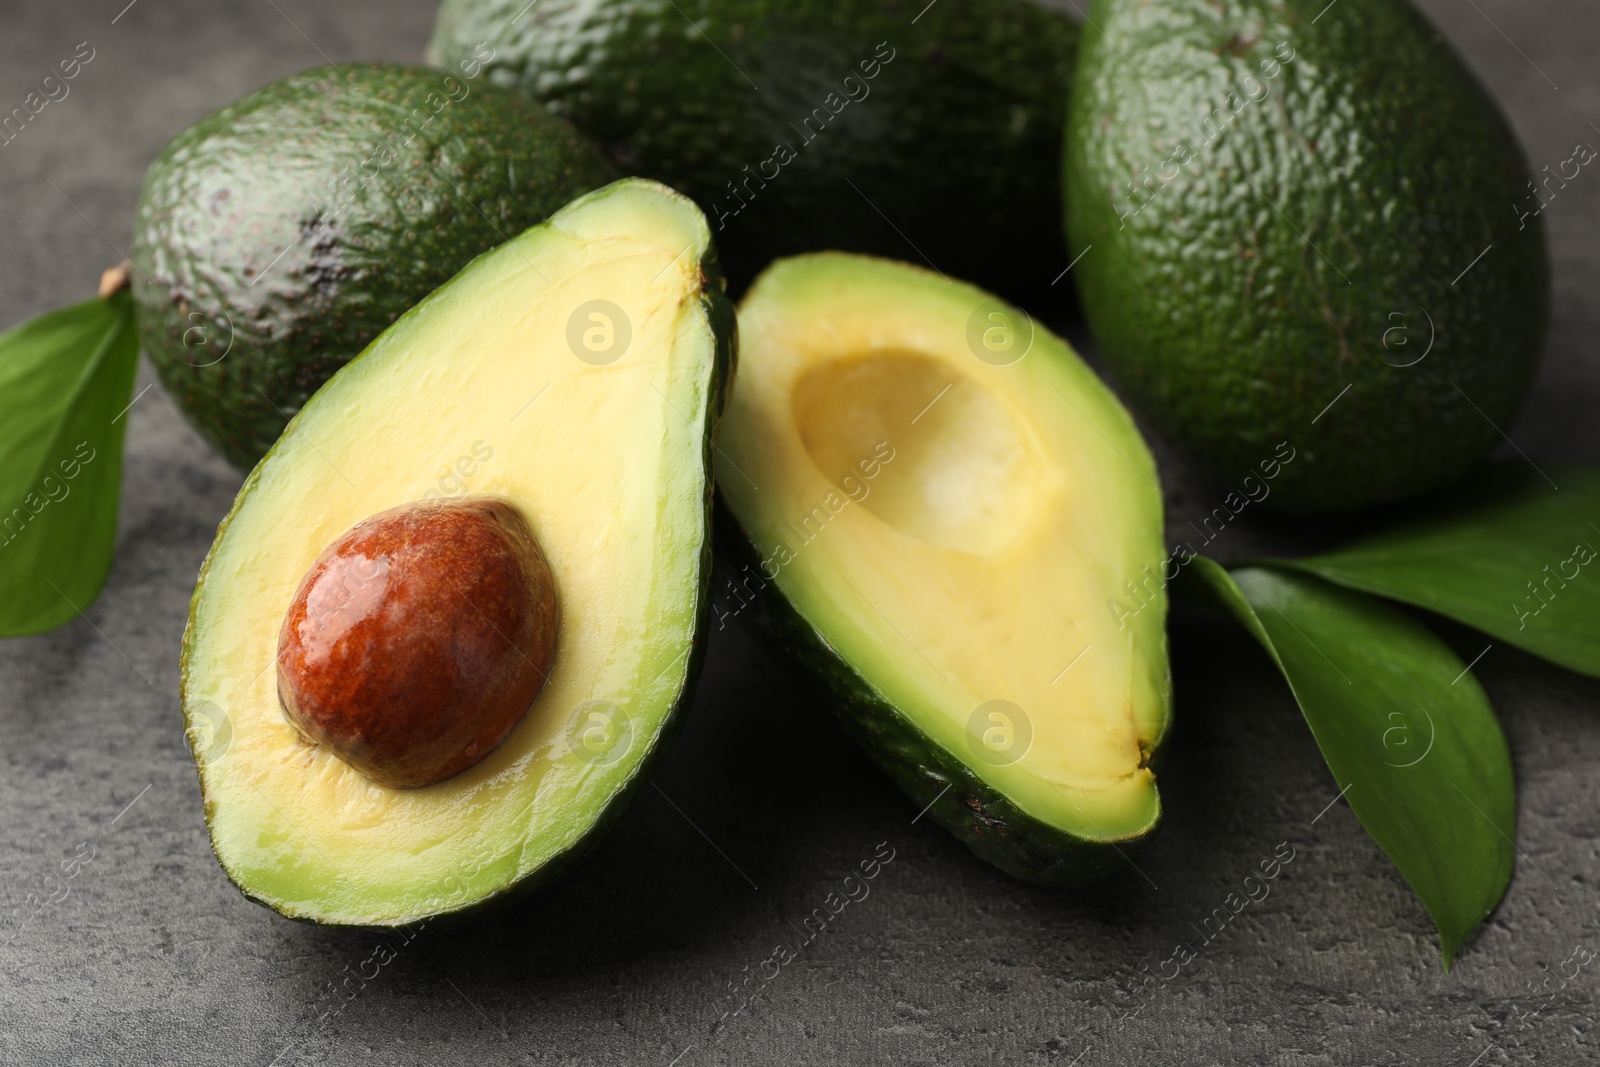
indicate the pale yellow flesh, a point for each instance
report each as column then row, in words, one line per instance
column 955, row 529
column 607, row 464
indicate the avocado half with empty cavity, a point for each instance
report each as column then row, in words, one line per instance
column 940, row 508
column 506, row 493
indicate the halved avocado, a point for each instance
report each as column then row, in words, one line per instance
column 574, row 373
column 941, row 507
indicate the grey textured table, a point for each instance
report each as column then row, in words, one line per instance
column 154, row 958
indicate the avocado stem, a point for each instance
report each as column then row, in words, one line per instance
column 115, row 279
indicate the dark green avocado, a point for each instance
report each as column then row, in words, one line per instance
column 927, row 132
column 278, row 236
column 1305, row 224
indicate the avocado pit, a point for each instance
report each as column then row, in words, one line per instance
column 419, row 638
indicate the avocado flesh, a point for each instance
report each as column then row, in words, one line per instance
column 978, row 563
column 279, row 235
column 794, row 125
column 610, row 465
column 1266, row 222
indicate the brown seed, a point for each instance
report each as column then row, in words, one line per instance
column 419, row 639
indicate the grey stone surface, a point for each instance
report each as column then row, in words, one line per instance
column 152, row 958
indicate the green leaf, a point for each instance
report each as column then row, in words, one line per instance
column 1405, row 728
column 65, row 379
column 1511, row 556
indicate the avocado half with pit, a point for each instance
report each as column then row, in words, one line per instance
column 507, row 493
column 939, row 509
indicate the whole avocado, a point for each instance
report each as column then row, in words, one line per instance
column 278, row 236
column 1307, row 224
column 920, row 131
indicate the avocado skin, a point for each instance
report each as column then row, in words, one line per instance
column 1228, row 329
column 957, row 140
column 980, row 817
column 240, row 342
column 723, row 319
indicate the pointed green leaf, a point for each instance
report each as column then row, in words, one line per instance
column 65, row 379
column 1405, row 728
column 1511, row 555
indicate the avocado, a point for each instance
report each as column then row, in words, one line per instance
column 898, row 127
column 1308, row 223
column 573, row 375
column 939, row 512
column 278, row 236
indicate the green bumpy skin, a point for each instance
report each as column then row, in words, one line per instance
column 952, row 144
column 277, row 237
column 1321, row 232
